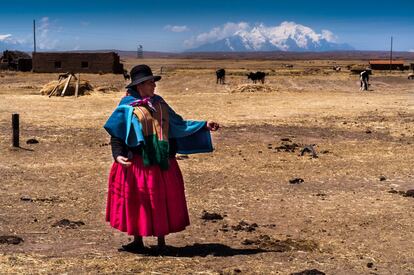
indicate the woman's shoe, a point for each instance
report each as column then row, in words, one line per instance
column 133, row 247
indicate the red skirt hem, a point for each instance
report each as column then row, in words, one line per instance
column 145, row 200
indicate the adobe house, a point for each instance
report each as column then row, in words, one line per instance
column 385, row 65
column 59, row 62
column 15, row 60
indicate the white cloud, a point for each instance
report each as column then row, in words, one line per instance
column 411, row 50
column 45, row 42
column 256, row 36
column 329, row 36
column 216, row 34
column 176, row 28
column 4, row 37
column 10, row 42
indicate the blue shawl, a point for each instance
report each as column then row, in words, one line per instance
column 191, row 136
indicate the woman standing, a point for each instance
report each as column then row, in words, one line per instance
column 146, row 189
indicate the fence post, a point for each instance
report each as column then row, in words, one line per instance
column 15, row 125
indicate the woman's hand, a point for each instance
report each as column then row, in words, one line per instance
column 123, row 161
column 212, row 126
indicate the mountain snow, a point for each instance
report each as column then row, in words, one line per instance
column 288, row 36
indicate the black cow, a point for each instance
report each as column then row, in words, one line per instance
column 126, row 75
column 257, row 76
column 221, row 76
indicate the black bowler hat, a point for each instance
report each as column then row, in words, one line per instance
column 141, row 73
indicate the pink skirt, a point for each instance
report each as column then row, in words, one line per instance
column 146, row 201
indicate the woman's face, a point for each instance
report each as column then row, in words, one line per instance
column 146, row 88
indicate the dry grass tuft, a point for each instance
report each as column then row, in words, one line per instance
column 106, row 89
column 253, row 88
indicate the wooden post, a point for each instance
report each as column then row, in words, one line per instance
column 55, row 89
column 391, row 56
column 66, row 85
column 15, row 125
column 77, row 86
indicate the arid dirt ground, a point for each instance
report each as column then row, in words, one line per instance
column 350, row 215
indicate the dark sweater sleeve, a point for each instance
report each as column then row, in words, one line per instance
column 118, row 147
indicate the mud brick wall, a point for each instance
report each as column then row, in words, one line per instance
column 77, row 63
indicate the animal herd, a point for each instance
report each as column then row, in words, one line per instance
column 255, row 77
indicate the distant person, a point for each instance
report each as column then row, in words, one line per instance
column 364, row 78
column 146, row 190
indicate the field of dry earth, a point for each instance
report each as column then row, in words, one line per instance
column 348, row 212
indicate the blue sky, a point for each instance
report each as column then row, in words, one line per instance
column 179, row 25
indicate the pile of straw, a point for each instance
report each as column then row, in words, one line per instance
column 253, row 88
column 84, row 88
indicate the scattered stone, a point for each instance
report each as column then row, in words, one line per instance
column 286, row 139
column 382, row 178
column 370, row 265
column 309, row 149
column 103, row 144
column 409, row 193
column 237, row 270
column 368, row 131
column 26, row 198
column 47, row 200
column 181, row 157
column 10, row 240
column 287, row 147
column 224, row 228
column 325, row 152
column 244, row 226
column 308, row 272
column 32, row 141
column 271, row 225
column 211, row 216
column 68, row 224
column 296, row 181
column 248, row 242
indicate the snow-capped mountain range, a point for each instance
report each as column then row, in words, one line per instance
column 288, row 36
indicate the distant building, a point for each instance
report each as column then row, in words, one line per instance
column 16, row 61
column 385, row 65
column 58, row 62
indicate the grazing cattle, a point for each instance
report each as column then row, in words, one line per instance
column 126, row 75
column 221, row 76
column 257, row 76
column 411, row 76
